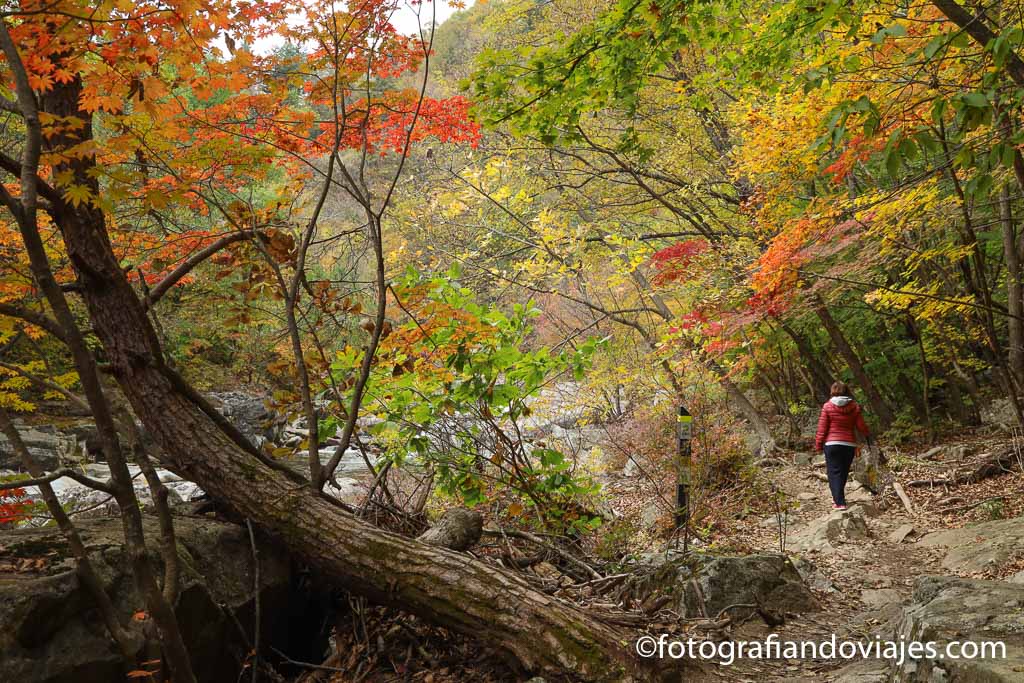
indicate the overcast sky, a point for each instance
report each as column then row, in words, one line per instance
column 404, row 20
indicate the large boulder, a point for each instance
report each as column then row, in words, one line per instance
column 704, row 586
column 48, row 446
column 250, row 415
column 85, row 502
column 979, row 547
column 945, row 609
column 50, row 631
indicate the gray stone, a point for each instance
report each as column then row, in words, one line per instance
column 958, row 453
column 934, row 453
column 50, row 631
column 826, row 534
column 630, row 469
column 47, row 446
column 947, row 608
column 806, row 496
column 705, row 585
column 813, row 576
column 87, row 502
column 769, row 580
column 858, row 494
column 803, row 458
column 1017, row 578
column 250, row 415
column 901, row 533
column 979, row 547
column 650, row 515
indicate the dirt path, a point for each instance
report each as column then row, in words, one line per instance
column 860, row 583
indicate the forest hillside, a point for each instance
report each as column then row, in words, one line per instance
column 578, row 340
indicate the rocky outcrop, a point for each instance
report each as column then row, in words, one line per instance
column 945, row 609
column 709, row 586
column 86, row 502
column 50, row 631
column 50, row 447
column 250, row 415
column 979, row 547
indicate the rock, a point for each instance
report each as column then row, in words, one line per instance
column 934, row 453
column 880, row 597
column 347, row 489
column 1017, row 578
column 806, row 496
column 49, row 447
column 803, row 458
column 813, row 576
column 979, row 547
column 859, row 495
column 458, row 529
column 824, row 534
column 901, row 533
column 958, row 453
column 87, row 502
column 631, row 469
column 705, row 585
column 351, row 461
column 769, row 580
column 650, row 515
column 947, row 608
column 249, row 414
column 50, row 631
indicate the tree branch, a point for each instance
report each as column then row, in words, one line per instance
column 186, row 266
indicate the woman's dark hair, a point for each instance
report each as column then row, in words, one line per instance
column 840, row 389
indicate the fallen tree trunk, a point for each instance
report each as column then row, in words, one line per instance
column 540, row 634
column 989, row 466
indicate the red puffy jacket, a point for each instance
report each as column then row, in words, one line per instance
column 839, row 421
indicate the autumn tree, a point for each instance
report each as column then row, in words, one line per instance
column 130, row 123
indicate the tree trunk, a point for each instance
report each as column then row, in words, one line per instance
column 541, row 634
column 822, row 380
column 544, row 635
column 875, row 400
column 1014, row 300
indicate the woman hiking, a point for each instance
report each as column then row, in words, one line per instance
column 838, row 425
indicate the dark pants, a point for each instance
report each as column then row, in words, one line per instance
column 838, row 460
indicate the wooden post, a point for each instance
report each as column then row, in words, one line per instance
column 685, row 433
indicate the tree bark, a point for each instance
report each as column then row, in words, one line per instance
column 1014, row 291
column 875, row 400
column 447, row 588
column 817, row 369
column 976, row 28
column 502, row 610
